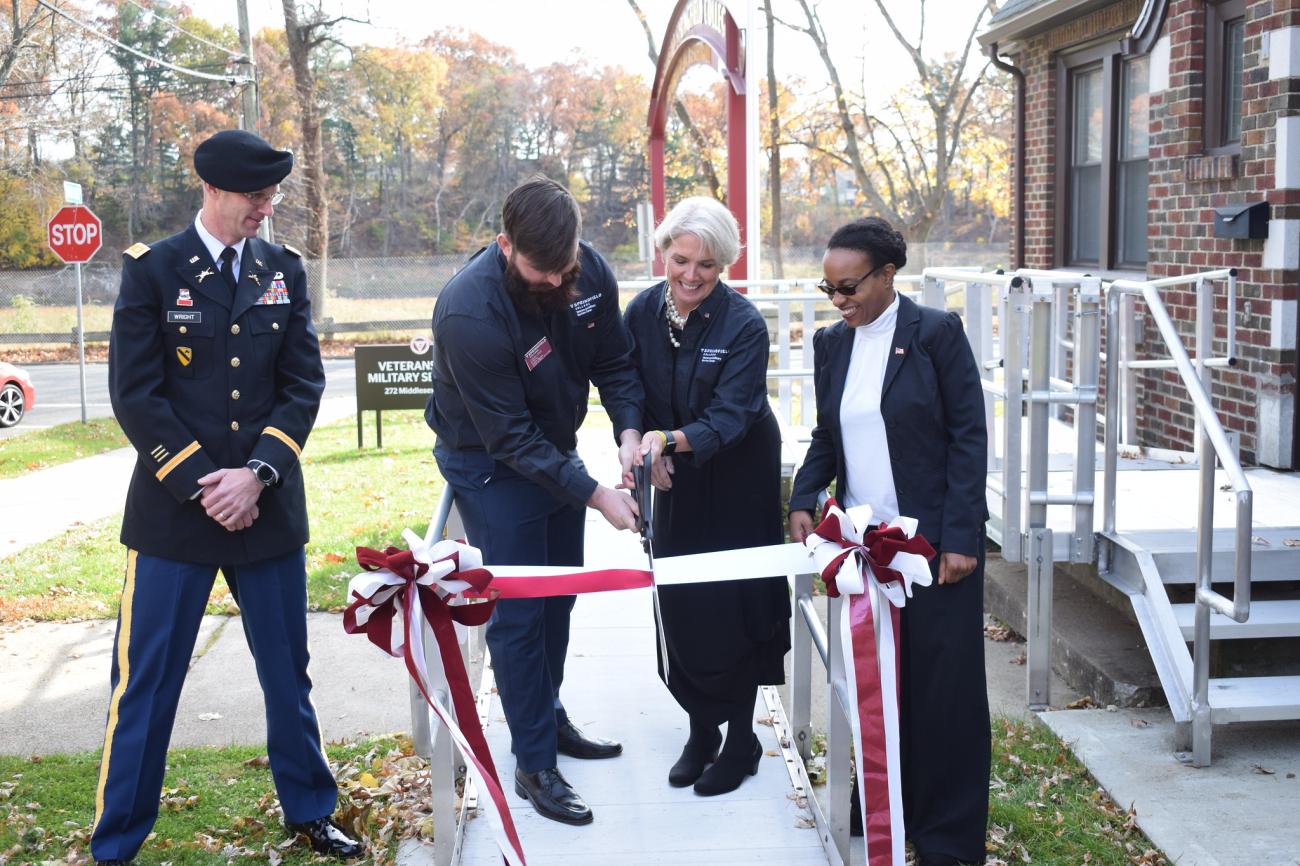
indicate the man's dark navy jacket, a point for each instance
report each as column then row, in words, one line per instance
column 513, row 386
column 933, row 406
column 202, row 378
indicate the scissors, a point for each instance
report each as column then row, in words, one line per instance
column 645, row 502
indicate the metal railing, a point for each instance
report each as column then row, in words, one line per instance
column 1212, row 443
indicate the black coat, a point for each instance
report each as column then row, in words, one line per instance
column 933, row 406
column 514, row 385
column 725, row 638
column 211, row 384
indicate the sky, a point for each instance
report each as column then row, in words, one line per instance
column 605, row 32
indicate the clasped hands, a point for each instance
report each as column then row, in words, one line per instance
column 229, row 497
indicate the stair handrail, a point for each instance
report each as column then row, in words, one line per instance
column 1211, row 442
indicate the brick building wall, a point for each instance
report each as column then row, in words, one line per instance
column 1256, row 398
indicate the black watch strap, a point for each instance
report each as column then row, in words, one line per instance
column 264, row 471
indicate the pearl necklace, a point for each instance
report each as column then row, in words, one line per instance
column 675, row 319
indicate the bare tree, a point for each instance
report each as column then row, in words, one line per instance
column 21, row 27
column 906, row 179
column 774, row 152
column 305, row 30
column 698, row 141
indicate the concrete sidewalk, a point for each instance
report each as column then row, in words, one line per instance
column 54, row 693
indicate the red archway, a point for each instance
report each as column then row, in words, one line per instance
column 702, row 32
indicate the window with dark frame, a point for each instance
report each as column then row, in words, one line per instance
column 1225, row 31
column 1102, row 210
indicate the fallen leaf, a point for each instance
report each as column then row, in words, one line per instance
column 1262, row 770
column 259, row 761
column 209, row 717
column 998, row 633
column 1260, row 540
column 334, row 557
column 1082, row 703
column 1291, row 542
column 766, row 720
column 1139, row 723
column 368, row 780
column 1018, row 660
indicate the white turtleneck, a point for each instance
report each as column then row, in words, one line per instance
column 862, row 427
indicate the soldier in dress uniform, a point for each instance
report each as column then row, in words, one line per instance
column 215, row 376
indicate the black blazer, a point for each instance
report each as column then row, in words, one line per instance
column 201, row 378
column 933, row 408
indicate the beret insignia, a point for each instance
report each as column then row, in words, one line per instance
column 291, row 251
column 135, row 251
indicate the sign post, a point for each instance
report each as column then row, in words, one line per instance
column 75, row 235
column 392, row 377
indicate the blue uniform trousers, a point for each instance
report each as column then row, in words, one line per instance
column 162, row 606
column 514, row 521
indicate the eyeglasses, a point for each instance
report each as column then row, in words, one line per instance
column 262, row 198
column 831, row 291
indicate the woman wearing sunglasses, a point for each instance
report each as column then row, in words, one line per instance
column 701, row 350
column 900, row 427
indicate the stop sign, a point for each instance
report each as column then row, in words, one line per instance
column 74, row 234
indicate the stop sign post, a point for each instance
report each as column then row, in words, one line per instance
column 76, row 234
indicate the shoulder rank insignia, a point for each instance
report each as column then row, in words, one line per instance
column 291, row 251
column 135, row 251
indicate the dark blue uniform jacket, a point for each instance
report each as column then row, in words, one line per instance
column 513, row 386
column 725, row 394
column 200, row 381
column 933, row 406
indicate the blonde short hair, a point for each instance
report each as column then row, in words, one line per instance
column 708, row 220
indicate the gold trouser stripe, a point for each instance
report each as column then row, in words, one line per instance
column 124, row 675
column 178, row 459
column 283, row 437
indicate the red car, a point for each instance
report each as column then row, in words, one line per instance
column 17, row 394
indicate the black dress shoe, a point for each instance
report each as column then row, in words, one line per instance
column 725, row 774
column 570, row 741
column 691, row 764
column 552, row 796
column 326, row 837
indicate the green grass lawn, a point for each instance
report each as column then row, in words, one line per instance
column 354, row 498
column 41, row 449
column 217, row 805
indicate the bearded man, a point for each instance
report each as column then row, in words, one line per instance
column 519, row 335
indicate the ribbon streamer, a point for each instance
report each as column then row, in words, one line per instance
column 397, row 582
column 876, row 569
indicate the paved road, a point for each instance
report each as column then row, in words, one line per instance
column 58, row 395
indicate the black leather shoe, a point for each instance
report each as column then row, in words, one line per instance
column 725, row 774
column 552, row 796
column 328, row 838
column 570, row 741
column 691, row 764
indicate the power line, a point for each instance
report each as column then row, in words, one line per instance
column 238, row 55
column 232, row 80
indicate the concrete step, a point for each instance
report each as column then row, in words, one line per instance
column 1268, row 619
column 1096, row 651
column 1254, row 699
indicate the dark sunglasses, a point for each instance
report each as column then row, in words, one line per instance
column 830, row 290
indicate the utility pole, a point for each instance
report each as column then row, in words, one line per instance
column 248, row 98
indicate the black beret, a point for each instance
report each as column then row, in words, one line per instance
column 239, row 161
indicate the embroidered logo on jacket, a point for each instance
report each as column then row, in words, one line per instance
column 184, row 354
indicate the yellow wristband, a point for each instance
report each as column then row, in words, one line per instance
column 664, row 436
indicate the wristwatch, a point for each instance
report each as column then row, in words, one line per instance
column 264, row 471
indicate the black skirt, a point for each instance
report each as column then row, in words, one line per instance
column 724, row 639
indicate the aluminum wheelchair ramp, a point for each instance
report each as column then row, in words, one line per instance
column 611, row 689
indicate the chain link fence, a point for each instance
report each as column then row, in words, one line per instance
column 366, row 298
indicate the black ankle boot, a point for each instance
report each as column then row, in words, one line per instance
column 726, row 773
column 695, row 757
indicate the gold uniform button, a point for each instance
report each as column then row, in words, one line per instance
column 234, row 425
column 234, row 329
column 275, row 326
column 184, row 330
column 234, row 395
column 234, row 362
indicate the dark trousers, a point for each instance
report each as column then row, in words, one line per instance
column 516, row 522
column 162, row 606
column 944, row 721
